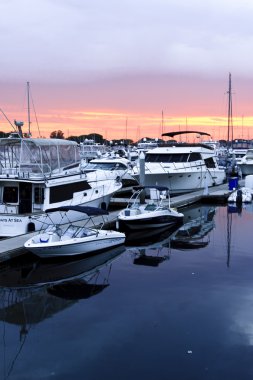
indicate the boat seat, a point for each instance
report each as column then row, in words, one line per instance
column 82, row 232
column 87, row 232
column 69, row 233
column 44, row 238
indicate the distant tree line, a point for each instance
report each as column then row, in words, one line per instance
column 98, row 139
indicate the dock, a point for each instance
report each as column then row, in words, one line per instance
column 13, row 247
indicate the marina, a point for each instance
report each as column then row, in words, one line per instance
column 126, row 190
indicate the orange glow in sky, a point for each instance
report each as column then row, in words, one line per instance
column 131, row 108
column 116, row 125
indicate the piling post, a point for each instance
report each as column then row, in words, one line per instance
column 142, row 175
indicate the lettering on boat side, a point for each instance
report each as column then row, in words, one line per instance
column 11, row 220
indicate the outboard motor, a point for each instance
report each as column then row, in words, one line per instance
column 239, row 197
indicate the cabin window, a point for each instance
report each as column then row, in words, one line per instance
column 194, row 157
column 210, row 163
column 164, row 157
column 10, row 194
column 107, row 166
column 38, row 195
column 65, row 192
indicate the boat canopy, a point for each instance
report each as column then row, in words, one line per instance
column 84, row 209
column 172, row 134
column 37, row 156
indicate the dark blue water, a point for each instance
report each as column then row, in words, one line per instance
column 181, row 308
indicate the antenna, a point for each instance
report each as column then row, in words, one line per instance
column 28, row 109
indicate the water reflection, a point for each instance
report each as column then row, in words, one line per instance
column 148, row 237
column 26, row 285
column 194, row 234
column 32, row 290
column 149, row 247
column 152, row 248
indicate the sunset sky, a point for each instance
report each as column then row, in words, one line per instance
column 114, row 67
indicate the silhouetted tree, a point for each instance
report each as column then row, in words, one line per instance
column 96, row 137
column 57, row 135
column 74, row 138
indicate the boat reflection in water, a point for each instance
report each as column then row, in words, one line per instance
column 25, row 282
column 150, row 248
column 194, row 233
column 32, row 290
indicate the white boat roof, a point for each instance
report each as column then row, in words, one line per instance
column 109, row 160
column 37, row 142
column 180, row 149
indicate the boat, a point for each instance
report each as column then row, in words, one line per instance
column 182, row 167
column 241, row 195
column 140, row 215
column 246, row 163
column 71, row 240
column 40, row 174
column 89, row 149
column 115, row 164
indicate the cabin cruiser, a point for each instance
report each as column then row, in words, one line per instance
column 115, row 164
column 182, row 167
column 40, row 174
column 90, row 150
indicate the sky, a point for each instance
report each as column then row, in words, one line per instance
column 126, row 69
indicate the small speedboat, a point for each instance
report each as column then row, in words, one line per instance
column 241, row 195
column 70, row 240
column 154, row 214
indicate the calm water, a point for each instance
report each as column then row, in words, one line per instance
column 179, row 309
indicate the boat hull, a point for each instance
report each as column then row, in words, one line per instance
column 141, row 222
column 180, row 183
column 76, row 246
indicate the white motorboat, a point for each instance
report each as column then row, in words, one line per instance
column 246, row 163
column 40, row 174
column 154, row 214
column 70, row 240
column 115, row 164
column 182, row 167
column 241, row 195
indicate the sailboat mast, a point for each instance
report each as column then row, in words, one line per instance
column 162, row 125
column 28, row 109
column 230, row 125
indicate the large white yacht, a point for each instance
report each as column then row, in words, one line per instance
column 182, row 167
column 41, row 174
